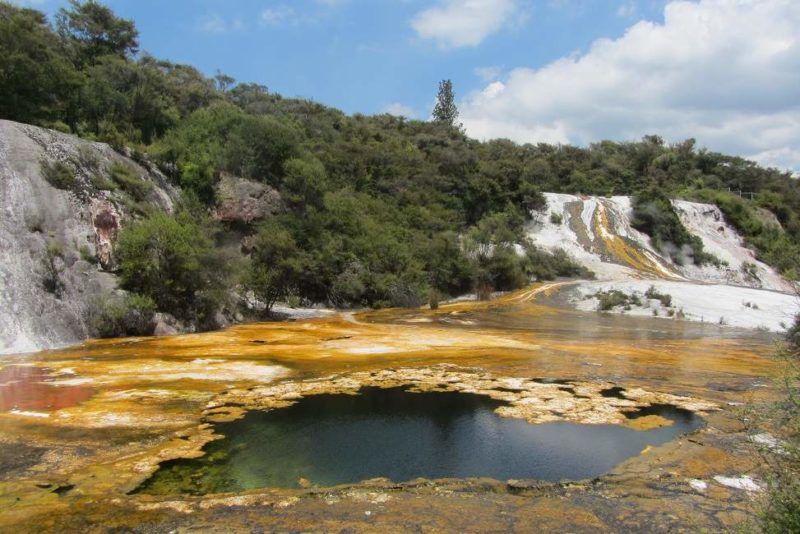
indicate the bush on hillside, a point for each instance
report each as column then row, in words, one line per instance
column 131, row 316
column 172, row 261
column 130, row 181
column 58, row 174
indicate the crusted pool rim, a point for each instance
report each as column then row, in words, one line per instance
column 531, row 399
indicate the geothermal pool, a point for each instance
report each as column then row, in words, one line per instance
column 335, row 439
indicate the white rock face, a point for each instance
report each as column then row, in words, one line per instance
column 698, row 485
column 743, row 482
column 723, row 241
column 597, row 233
column 34, row 214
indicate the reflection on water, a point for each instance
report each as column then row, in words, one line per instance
column 335, row 439
column 27, row 388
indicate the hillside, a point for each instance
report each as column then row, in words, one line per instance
column 58, row 266
column 231, row 197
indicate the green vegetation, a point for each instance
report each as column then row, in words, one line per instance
column 58, row 174
column 608, row 300
column 131, row 316
column 781, row 419
column 445, row 110
column 654, row 215
column 664, row 298
column 613, row 298
column 172, row 261
column 543, row 265
column 126, row 177
column 276, row 266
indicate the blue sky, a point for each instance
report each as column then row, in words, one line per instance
column 361, row 55
column 726, row 72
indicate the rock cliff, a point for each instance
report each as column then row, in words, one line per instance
column 56, row 242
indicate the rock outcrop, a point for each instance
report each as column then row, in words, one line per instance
column 245, row 201
column 56, row 245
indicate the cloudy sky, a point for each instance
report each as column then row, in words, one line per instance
column 726, row 72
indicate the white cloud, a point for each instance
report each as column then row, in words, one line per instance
column 458, row 23
column 273, row 16
column 216, row 24
column 488, row 74
column 400, row 110
column 627, row 9
column 726, row 72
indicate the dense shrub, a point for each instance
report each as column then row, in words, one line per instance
column 172, row 261
column 543, row 265
column 664, row 298
column 131, row 316
column 275, row 266
column 608, row 300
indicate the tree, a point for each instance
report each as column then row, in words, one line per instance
column 94, row 31
column 223, row 82
column 172, row 261
column 38, row 81
column 305, row 182
column 275, row 265
column 258, row 147
column 445, row 110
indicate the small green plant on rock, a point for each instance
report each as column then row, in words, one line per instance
column 51, row 273
column 608, row 300
column 750, row 270
column 87, row 159
column 556, row 218
column 103, row 184
column 58, row 174
column 126, row 177
column 664, row 298
column 86, row 254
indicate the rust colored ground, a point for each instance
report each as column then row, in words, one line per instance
column 131, row 403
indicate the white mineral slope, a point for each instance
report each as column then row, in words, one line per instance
column 597, row 233
column 551, row 236
column 723, row 241
column 720, row 304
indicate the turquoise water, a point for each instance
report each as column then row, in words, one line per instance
column 337, row 439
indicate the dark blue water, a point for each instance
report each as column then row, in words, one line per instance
column 336, row 439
